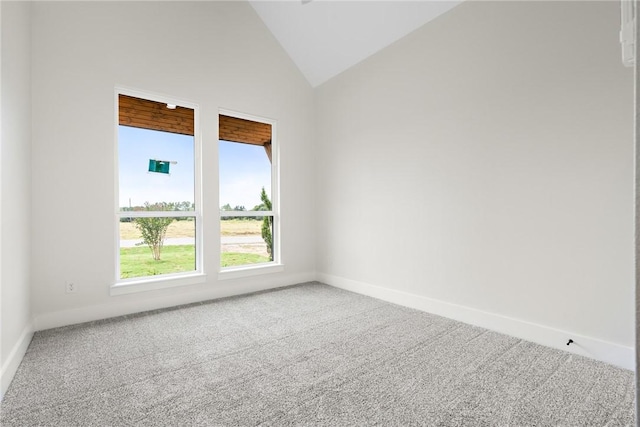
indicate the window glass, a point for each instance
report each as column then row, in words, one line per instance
column 142, row 152
column 245, row 170
column 173, row 252
column 157, row 211
column 247, row 212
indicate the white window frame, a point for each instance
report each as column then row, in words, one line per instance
column 272, row 266
column 132, row 285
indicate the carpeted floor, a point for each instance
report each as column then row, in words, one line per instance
column 306, row 355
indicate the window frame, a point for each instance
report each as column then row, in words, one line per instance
column 276, row 265
column 139, row 284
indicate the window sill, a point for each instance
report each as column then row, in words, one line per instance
column 152, row 284
column 248, row 271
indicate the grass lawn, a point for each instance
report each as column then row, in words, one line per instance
column 229, row 259
column 230, row 227
column 138, row 262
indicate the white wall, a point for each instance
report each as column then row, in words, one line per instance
column 15, row 210
column 482, row 168
column 216, row 54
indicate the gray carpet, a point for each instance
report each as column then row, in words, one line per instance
column 306, row 355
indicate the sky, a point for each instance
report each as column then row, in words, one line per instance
column 244, row 169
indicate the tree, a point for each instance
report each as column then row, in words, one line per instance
column 153, row 229
column 227, row 208
column 267, row 223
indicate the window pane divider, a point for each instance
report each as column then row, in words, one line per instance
column 156, row 214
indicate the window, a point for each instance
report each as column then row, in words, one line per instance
column 158, row 212
column 248, row 192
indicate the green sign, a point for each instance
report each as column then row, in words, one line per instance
column 158, row 166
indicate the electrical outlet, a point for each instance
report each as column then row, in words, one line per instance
column 70, row 288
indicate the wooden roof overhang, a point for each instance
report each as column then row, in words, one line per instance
column 244, row 131
column 145, row 114
column 153, row 115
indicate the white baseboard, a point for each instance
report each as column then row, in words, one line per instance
column 122, row 305
column 594, row 348
column 10, row 366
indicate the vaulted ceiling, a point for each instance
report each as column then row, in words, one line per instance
column 326, row 37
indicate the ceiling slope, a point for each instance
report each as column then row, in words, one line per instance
column 325, row 37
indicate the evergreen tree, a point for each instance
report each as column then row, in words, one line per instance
column 267, row 224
